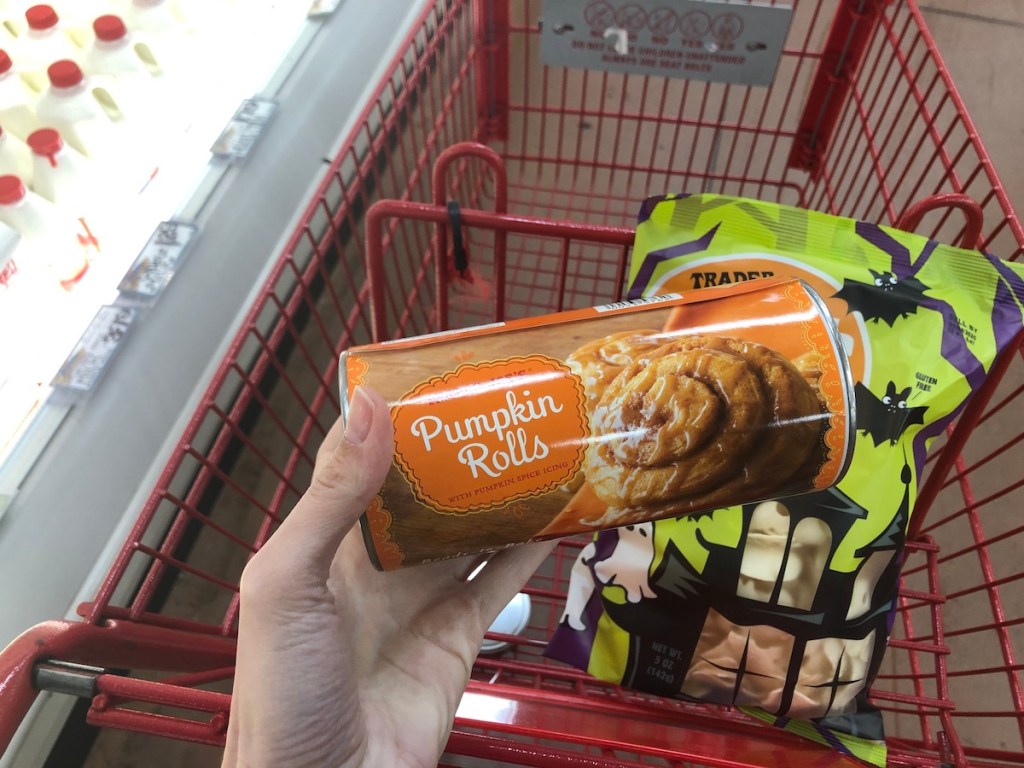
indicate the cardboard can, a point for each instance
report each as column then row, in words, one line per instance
column 604, row 417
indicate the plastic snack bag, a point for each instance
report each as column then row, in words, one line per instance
column 786, row 606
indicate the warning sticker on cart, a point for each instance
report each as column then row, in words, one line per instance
column 734, row 42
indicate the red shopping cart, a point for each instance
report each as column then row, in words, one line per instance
column 862, row 120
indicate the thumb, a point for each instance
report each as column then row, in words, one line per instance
column 346, row 477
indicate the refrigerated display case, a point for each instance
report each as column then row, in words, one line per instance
column 131, row 148
column 71, row 478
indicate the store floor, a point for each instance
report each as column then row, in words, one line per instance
column 979, row 40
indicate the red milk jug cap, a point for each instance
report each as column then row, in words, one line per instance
column 41, row 17
column 11, row 189
column 65, row 73
column 109, row 27
column 45, row 141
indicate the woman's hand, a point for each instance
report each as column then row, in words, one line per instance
column 339, row 664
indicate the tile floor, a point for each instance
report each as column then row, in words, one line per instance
column 979, row 40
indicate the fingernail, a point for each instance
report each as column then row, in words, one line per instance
column 360, row 417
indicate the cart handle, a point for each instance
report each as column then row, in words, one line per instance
column 116, row 644
column 496, row 222
column 462, row 152
column 972, row 210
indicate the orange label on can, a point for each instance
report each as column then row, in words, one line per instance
column 831, row 389
column 497, row 432
column 609, row 416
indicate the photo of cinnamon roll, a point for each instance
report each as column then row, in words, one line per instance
column 599, row 361
column 697, row 419
column 809, row 365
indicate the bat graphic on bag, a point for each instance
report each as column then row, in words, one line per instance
column 886, row 298
column 886, row 418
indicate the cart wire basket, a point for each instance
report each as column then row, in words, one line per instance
column 478, row 185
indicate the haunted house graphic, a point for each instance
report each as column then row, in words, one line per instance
column 764, row 623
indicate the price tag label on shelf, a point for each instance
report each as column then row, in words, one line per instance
column 95, row 348
column 159, row 259
column 323, row 7
column 242, row 131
